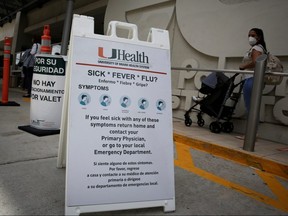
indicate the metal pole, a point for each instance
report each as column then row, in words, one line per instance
column 253, row 115
column 67, row 27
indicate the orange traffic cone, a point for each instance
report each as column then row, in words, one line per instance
column 6, row 74
column 46, row 41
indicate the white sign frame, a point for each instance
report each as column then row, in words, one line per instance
column 82, row 27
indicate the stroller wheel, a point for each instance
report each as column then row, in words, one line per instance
column 188, row 121
column 201, row 122
column 227, row 127
column 215, row 127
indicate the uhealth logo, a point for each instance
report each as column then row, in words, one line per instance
column 123, row 55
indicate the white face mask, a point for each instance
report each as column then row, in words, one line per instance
column 252, row 41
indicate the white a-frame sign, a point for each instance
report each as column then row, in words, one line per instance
column 119, row 120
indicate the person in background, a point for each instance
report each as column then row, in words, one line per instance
column 24, row 55
column 257, row 47
column 28, row 64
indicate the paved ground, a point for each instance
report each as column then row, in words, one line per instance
column 213, row 175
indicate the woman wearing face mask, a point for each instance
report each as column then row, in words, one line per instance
column 258, row 47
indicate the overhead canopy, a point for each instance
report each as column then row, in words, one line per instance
column 9, row 8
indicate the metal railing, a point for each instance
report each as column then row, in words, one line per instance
column 228, row 71
column 253, row 115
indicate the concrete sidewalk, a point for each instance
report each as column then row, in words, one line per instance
column 30, row 183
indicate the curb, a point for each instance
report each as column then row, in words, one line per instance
column 237, row 156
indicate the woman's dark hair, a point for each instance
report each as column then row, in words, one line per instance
column 260, row 35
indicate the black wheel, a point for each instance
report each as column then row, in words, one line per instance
column 188, row 121
column 215, row 127
column 227, row 127
column 200, row 122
